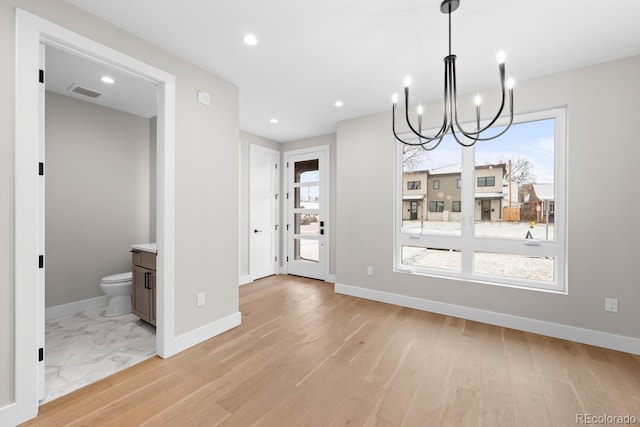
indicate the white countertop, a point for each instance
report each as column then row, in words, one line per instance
column 146, row 247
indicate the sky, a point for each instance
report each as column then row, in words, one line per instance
column 530, row 140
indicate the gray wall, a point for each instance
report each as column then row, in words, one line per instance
column 206, row 235
column 602, row 110
column 97, row 195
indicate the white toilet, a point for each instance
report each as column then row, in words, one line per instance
column 118, row 287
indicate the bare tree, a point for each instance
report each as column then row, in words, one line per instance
column 520, row 171
column 412, row 157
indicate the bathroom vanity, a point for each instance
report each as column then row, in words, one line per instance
column 143, row 292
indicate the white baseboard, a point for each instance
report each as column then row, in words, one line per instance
column 203, row 333
column 331, row 278
column 245, row 280
column 75, row 307
column 8, row 415
column 556, row 330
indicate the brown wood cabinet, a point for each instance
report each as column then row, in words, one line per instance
column 143, row 295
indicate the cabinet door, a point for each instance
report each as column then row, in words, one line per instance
column 140, row 301
column 152, row 297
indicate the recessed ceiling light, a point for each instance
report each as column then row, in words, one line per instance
column 107, row 79
column 249, row 39
column 274, row 120
column 338, row 103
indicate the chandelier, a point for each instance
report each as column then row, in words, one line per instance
column 450, row 123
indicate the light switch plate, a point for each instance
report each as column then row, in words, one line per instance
column 204, row 98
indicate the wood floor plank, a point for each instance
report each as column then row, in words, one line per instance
column 305, row 355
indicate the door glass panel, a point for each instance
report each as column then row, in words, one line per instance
column 512, row 265
column 431, row 258
column 306, row 171
column 306, row 250
column 306, row 197
column 307, row 224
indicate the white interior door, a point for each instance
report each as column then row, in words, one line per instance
column 306, row 212
column 264, row 184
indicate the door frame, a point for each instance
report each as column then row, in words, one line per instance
column 276, row 244
column 32, row 30
column 325, row 197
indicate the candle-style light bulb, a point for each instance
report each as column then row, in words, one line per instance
column 477, row 100
column 501, row 57
column 510, row 83
column 407, row 81
column 394, row 98
column 420, row 109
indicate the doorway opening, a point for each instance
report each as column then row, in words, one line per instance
column 99, row 179
column 31, row 31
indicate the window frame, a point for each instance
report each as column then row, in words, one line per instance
column 437, row 204
column 436, row 184
column 414, row 186
column 469, row 244
column 485, row 180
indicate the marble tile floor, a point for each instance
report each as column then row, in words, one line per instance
column 85, row 347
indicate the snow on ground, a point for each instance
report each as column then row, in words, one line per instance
column 507, row 265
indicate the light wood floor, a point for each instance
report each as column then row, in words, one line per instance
column 305, row 356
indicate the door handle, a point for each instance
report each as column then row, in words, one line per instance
column 257, row 231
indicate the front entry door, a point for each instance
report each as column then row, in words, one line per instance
column 413, row 213
column 486, row 210
column 306, row 213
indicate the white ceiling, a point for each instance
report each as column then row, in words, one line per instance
column 128, row 93
column 310, row 54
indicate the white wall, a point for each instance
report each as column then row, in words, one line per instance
column 206, row 235
column 602, row 136
column 97, row 195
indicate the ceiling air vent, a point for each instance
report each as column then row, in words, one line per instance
column 85, row 91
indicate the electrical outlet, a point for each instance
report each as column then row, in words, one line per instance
column 611, row 304
column 369, row 271
column 200, row 300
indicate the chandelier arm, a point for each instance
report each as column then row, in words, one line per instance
column 435, row 145
column 393, row 127
column 476, row 135
column 471, row 144
column 453, row 102
column 417, row 133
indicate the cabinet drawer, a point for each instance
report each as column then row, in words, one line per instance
column 144, row 259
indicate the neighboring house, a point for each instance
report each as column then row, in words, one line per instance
column 539, row 202
column 444, row 198
column 489, row 197
column 414, row 192
column 435, row 195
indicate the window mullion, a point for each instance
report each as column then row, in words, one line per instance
column 468, row 206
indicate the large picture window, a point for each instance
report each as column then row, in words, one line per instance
column 498, row 213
